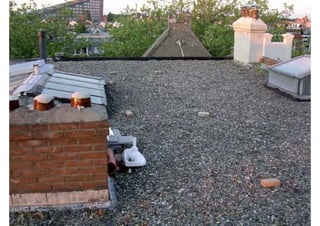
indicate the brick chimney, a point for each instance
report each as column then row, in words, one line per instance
column 58, row 156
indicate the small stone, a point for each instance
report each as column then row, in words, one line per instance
column 157, row 72
column 100, row 212
column 41, row 215
column 110, row 83
column 113, row 72
column 129, row 113
column 203, row 114
column 270, row 182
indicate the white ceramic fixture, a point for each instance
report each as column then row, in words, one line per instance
column 132, row 157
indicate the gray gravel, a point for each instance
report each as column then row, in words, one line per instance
column 200, row 170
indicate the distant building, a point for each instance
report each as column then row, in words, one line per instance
column 97, row 35
column 304, row 21
column 301, row 29
column 90, row 8
column 299, row 26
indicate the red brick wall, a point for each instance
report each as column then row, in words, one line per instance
column 58, row 157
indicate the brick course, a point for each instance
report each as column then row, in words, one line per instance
column 58, row 157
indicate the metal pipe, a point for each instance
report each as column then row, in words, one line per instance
column 112, row 165
column 180, row 46
column 42, row 44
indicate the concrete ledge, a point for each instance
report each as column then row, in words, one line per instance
column 59, row 198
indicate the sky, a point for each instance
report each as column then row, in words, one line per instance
column 302, row 7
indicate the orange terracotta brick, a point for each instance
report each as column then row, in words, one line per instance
column 270, row 182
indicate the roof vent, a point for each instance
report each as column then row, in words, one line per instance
column 250, row 11
column 292, row 77
column 14, row 102
column 43, row 102
column 35, row 69
column 80, row 99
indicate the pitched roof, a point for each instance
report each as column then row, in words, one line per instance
column 178, row 40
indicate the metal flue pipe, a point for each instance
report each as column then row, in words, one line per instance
column 42, row 44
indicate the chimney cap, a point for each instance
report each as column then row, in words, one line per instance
column 44, row 98
column 43, row 102
column 80, row 95
column 80, row 99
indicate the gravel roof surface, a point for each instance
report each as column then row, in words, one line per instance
column 200, row 170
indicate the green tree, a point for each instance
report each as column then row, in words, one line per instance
column 110, row 17
column 24, row 26
column 80, row 28
column 218, row 39
column 179, row 6
column 208, row 12
column 23, row 31
column 212, row 23
column 136, row 33
column 58, row 37
column 275, row 18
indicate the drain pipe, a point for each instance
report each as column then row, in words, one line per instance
column 112, row 165
column 42, row 44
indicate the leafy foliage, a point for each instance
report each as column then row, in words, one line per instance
column 300, row 48
column 23, row 32
column 80, row 28
column 132, row 38
column 24, row 27
column 211, row 22
column 208, row 12
column 136, row 33
column 58, row 38
column 218, row 39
